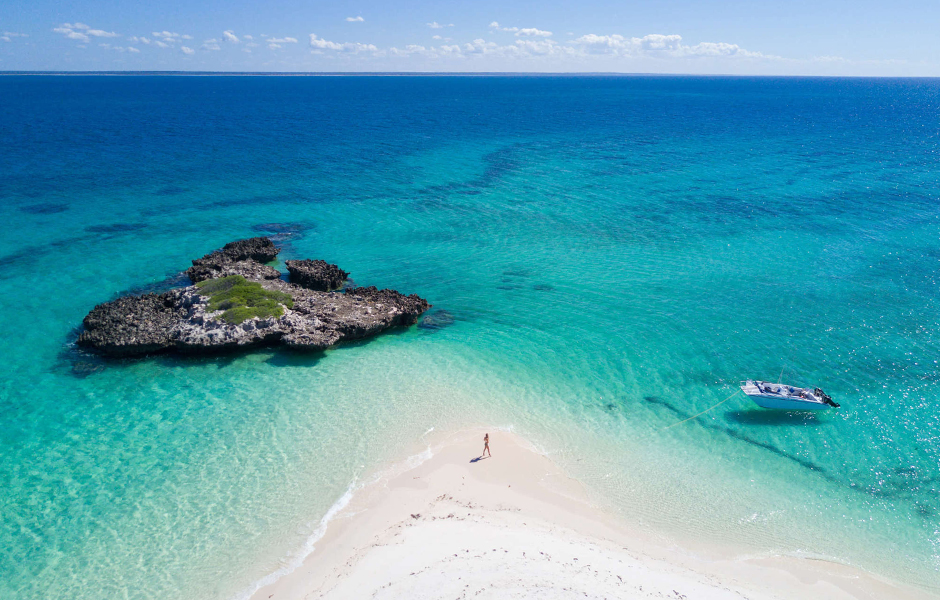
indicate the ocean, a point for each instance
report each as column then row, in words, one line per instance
column 607, row 256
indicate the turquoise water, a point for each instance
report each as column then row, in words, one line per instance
column 614, row 254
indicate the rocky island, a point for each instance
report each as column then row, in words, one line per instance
column 237, row 301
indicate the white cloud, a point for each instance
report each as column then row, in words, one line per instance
column 537, row 44
column 212, row 44
column 286, row 40
column 480, row 46
column 161, row 44
column 274, row 46
column 230, row 36
column 543, row 48
column 119, row 48
column 247, row 37
column 408, row 50
column 7, row 36
column 139, row 40
column 436, row 37
column 495, row 25
column 170, row 36
column 187, row 50
column 662, row 46
column 101, row 33
column 69, row 31
column 521, row 49
column 532, row 31
column 319, row 45
column 436, row 25
column 355, row 19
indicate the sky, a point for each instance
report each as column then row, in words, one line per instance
column 793, row 37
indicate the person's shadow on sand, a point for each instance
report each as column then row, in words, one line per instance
column 479, row 458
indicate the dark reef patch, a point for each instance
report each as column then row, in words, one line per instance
column 282, row 234
column 116, row 228
column 32, row 253
column 496, row 166
column 46, row 208
column 281, row 227
column 436, row 320
column 17, row 257
column 170, row 190
column 543, row 287
column 76, row 361
column 289, row 197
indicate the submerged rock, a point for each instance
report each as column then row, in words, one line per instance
column 437, row 320
column 181, row 320
column 316, row 275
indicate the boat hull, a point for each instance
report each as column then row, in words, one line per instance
column 786, row 403
column 786, row 397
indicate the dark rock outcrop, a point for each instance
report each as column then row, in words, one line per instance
column 131, row 325
column 317, row 275
column 180, row 320
column 242, row 257
column 258, row 249
column 410, row 307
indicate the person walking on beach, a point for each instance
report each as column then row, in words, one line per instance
column 486, row 445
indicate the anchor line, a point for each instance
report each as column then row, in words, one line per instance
column 704, row 411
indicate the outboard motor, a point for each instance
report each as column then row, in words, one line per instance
column 827, row 398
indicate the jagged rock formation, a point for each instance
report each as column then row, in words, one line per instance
column 180, row 320
column 131, row 325
column 317, row 275
column 241, row 257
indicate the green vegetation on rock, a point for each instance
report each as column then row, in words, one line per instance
column 242, row 299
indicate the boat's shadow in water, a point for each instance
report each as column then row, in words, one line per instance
column 765, row 417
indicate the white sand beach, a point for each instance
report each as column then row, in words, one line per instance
column 515, row 526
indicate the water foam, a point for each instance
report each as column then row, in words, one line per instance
column 295, row 559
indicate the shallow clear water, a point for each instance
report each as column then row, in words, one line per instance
column 615, row 254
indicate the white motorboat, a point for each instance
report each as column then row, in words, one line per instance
column 787, row 397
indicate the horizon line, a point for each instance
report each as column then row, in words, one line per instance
column 171, row 73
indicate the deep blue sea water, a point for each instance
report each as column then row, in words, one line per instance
column 606, row 256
